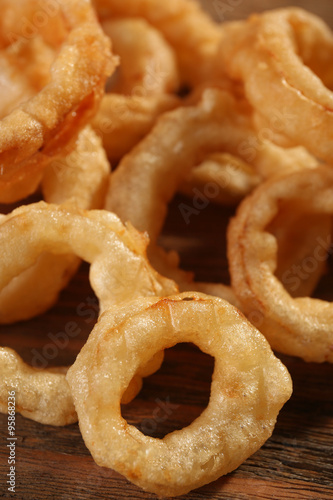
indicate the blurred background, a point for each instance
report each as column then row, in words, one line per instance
column 228, row 10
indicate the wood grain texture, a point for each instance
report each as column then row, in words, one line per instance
column 53, row 463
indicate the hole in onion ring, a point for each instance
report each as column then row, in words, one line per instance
column 323, row 289
column 6, row 208
column 190, row 236
column 178, row 400
column 303, row 246
column 56, row 337
column 313, row 56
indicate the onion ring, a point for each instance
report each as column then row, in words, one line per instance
column 38, row 129
column 284, row 59
column 186, row 27
column 147, row 63
column 147, row 76
column 298, row 326
column 249, row 387
column 123, row 121
column 94, row 236
column 80, row 179
column 148, row 177
column 234, row 177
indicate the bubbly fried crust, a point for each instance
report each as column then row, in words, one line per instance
column 149, row 176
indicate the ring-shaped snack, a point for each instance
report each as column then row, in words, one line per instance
column 284, row 59
column 140, row 90
column 192, row 34
column 249, row 387
column 119, row 272
column 36, row 130
column 150, row 175
column 298, row 326
column 79, row 179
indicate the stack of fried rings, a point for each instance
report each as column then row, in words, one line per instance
column 80, row 179
column 44, row 395
column 39, row 127
column 254, row 374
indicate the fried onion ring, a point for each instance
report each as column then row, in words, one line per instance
column 249, row 387
column 79, row 179
column 123, row 121
column 148, row 177
column 233, row 176
column 187, row 28
column 298, row 326
column 37, row 129
column 140, row 90
column 147, row 63
column 119, row 272
column 284, row 58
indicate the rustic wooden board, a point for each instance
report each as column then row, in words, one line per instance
column 53, row 463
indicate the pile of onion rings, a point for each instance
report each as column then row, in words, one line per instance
column 236, row 114
column 42, row 121
column 43, row 395
column 284, row 58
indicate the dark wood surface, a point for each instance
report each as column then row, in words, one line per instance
column 53, row 463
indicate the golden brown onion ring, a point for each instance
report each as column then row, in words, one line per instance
column 299, row 326
column 147, row 63
column 119, row 272
column 147, row 76
column 38, row 129
column 234, row 177
column 191, row 33
column 79, row 179
column 147, row 178
column 284, row 58
column 122, row 121
column 249, row 387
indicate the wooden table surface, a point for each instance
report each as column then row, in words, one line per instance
column 53, row 463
